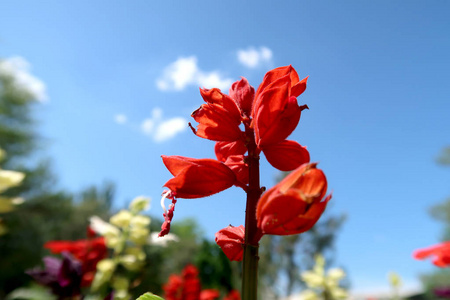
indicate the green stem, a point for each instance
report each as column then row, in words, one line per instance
column 250, row 273
column 252, row 233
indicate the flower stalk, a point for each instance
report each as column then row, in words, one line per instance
column 269, row 116
column 252, row 232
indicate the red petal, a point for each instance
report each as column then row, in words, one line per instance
column 275, row 74
column 233, row 295
column 175, row 164
column 215, row 96
column 209, row 294
column 293, row 205
column 440, row 254
column 269, row 106
column 231, row 240
column 285, row 215
column 299, row 88
column 239, row 167
column 287, row 155
column 225, row 149
column 279, row 211
column 196, row 178
column 59, row 246
column 308, row 180
column 216, row 123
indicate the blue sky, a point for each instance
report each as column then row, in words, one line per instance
column 121, row 78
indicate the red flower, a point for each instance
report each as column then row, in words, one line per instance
column 219, row 118
column 294, row 205
column 231, row 240
column 440, row 254
column 275, row 111
column 173, row 288
column 185, row 287
column 233, row 295
column 88, row 252
column 196, row 178
column 209, row 294
column 276, row 115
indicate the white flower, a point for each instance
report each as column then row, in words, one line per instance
column 103, row 228
column 9, row 179
column 139, row 204
column 162, row 241
column 121, row 219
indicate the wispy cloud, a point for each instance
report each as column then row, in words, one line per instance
column 160, row 129
column 18, row 68
column 185, row 71
column 120, row 119
column 253, row 58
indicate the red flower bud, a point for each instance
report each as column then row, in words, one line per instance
column 231, row 240
column 440, row 254
column 209, row 294
column 243, row 93
column 196, row 178
column 294, row 205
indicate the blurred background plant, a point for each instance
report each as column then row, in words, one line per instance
column 395, row 282
column 126, row 234
column 321, row 284
column 47, row 213
column 8, row 179
column 437, row 282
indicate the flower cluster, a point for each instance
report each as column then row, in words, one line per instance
column 188, row 287
column 244, row 124
column 126, row 234
column 323, row 285
column 292, row 206
column 62, row 276
column 88, row 252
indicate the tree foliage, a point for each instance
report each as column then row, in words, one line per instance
column 439, row 212
column 47, row 213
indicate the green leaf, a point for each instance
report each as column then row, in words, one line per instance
column 149, row 296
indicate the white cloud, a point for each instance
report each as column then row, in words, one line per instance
column 185, row 71
column 169, row 128
column 253, row 58
column 120, row 118
column 147, row 126
column 161, row 130
column 213, row 79
column 19, row 69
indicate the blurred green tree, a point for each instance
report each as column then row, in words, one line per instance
column 215, row 270
column 47, row 213
column 440, row 212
